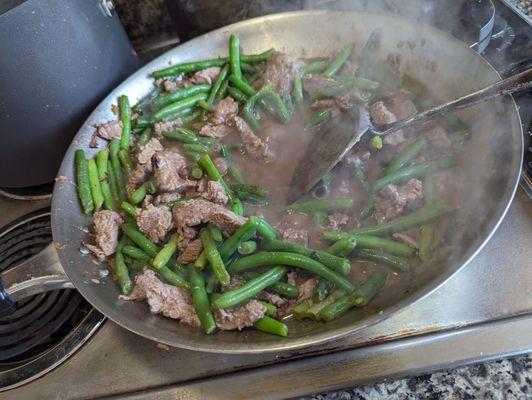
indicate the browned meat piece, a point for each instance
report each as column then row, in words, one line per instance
column 280, row 70
column 394, row 138
column 306, row 289
column 380, row 114
column 336, row 220
column 197, row 211
column 138, row 176
column 292, row 277
column 207, row 75
column 171, row 171
column 214, row 191
column 335, row 104
column 410, row 237
column 166, row 126
column 147, row 151
column 221, row 164
column 216, row 131
column 293, row 228
column 106, row 227
column 273, row 298
column 235, row 282
column 224, row 112
column 155, row 222
column 164, row 198
column 438, row 139
column 239, row 317
column 314, row 84
column 191, row 252
column 392, row 200
column 357, row 95
column 109, row 130
column 147, row 201
column 252, row 143
column 358, row 158
column 399, row 103
column 297, row 236
column 168, row 300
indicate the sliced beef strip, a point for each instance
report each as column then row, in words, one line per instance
column 399, row 103
column 273, row 298
column 235, row 282
column 380, row 114
column 410, row 237
column 163, row 198
column 315, row 84
column 225, row 112
column 306, row 289
column 138, row 176
column 147, row 151
column 280, row 70
column 191, row 252
column 106, row 228
column 393, row 200
column 155, row 222
column 297, row 236
column 168, row 300
column 221, row 165
column 214, row 191
column 252, row 143
column 336, row 220
column 108, row 130
column 171, row 171
column 337, row 104
column 197, row 211
column 239, row 317
column 216, row 131
column 166, row 126
column 207, row 75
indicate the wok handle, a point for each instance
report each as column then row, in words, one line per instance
column 509, row 85
column 40, row 273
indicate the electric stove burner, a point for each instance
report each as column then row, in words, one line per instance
column 40, row 192
column 40, row 324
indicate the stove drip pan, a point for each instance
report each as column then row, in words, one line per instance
column 44, row 329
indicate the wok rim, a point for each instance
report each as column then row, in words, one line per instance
column 314, row 338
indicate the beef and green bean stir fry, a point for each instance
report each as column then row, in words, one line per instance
column 187, row 190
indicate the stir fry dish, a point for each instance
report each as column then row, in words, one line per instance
column 187, row 191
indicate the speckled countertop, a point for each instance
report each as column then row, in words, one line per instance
column 147, row 21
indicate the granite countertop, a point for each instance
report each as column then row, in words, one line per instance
column 147, row 21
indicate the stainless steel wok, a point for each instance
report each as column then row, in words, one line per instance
column 490, row 168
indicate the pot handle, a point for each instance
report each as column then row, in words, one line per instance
column 40, row 273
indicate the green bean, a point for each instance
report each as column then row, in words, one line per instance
column 266, row 230
column 121, row 271
column 232, row 169
column 138, row 195
column 180, row 137
column 245, row 67
column 234, row 56
column 323, row 288
column 325, row 205
column 315, row 309
column 173, row 109
column 128, row 209
column 270, row 308
column 113, row 186
column 114, row 148
column 367, row 208
column 395, row 263
column 376, row 142
column 337, row 63
column 249, row 289
column 295, row 260
column 181, row 94
column 132, row 232
column 247, row 247
column 403, row 158
column 298, row 95
column 338, row 264
column 218, row 62
column 215, row 232
column 200, row 300
column 196, row 172
column 222, row 77
column 256, row 190
column 300, row 310
column 214, row 257
column 284, row 289
column 245, row 232
column 189, row 117
column 270, row 325
column 125, row 160
column 201, row 261
column 425, row 241
column 263, row 92
column 82, row 180
column 125, row 117
column 241, row 85
column 252, row 199
column 319, row 218
column 358, row 82
column 143, row 122
column 166, row 253
column 416, row 170
column 205, row 106
column 311, row 68
column 237, row 94
column 212, row 172
column 318, row 119
column 136, row 253
column 197, row 148
column 134, row 265
column 343, row 247
column 144, row 137
column 237, row 207
column 192, row 155
column 387, row 245
column 224, row 87
column 94, row 183
column 102, row 164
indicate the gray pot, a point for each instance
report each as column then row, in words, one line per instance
column 59, row 59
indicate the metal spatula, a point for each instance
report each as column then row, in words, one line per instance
column 329, row 146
